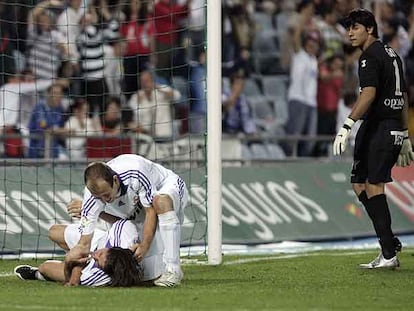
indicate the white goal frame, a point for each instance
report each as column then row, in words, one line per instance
column 214, row 169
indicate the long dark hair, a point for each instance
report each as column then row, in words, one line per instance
column 123, row 268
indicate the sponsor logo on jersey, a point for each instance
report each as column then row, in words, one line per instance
column 394, row 103
column 363, row 63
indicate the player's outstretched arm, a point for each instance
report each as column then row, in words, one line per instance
column 150, row 225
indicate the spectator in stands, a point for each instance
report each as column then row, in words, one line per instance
column 239, row 28
column 167, row 18
column 109, row 15
column 196, row 28
column 90, row 45
column 17, row 99
column 138, row 32
column 396, row 37
column 198, row 101
column 79, row 125
column 111, row 118
column 390, row 25
column 410, row 72
column 267, row 6
column 300, row 24
column 48, row 118
column 68, row 25
column 330, row 84
column 152, row 106
column 7, row 65
column 333, row 34
column 302, row 94
column 241, row 64
column 47, row 47
column 237, row 116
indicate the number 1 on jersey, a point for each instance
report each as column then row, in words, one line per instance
column 397, row 79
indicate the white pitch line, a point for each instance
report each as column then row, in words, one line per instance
column 189, row 262
column 32, row 307
column 5, row 274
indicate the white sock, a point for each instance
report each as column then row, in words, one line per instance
column 39, row 276
column 170, row 231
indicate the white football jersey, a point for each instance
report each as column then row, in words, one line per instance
column 123, row 234
column 140, row 180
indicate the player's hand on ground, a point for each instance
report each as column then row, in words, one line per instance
column 74, row 208
column 341, row 138
column 139, row 249
column 406, row 155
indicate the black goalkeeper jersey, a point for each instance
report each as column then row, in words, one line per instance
column 381, row 67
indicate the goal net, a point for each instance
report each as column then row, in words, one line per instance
column 86, row 80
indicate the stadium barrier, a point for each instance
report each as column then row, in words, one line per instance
column 301, row 201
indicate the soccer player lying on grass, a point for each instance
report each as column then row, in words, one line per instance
column 110, row 263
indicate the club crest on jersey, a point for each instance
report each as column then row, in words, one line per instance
column 363, row 63
column 84, row 222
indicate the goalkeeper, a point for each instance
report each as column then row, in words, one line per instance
column 382, row 140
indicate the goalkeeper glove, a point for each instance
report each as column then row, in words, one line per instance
column 341, row 138
column 406, row 155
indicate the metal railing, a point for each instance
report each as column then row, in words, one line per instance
column 184, row 149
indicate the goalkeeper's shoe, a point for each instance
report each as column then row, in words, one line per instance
column 397, row 244
column 169, row 279
column 381, row 262
column 25, row 272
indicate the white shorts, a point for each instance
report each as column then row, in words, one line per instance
column 72, row 236
column 174, row 186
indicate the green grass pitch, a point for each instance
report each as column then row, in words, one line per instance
column 328, row 280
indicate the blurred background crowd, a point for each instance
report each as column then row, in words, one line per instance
column 79, row 68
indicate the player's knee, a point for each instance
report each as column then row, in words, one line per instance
column 42, row 268
column 57, row 233
column 162, row 203
column 358, row 188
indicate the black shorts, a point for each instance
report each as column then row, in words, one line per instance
column 377, row 146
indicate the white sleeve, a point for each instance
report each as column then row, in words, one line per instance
column 91, row 209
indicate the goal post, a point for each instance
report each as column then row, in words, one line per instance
column 214, row 222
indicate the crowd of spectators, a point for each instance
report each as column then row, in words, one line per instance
column 75, row 68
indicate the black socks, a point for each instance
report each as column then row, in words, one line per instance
column 378, row 211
